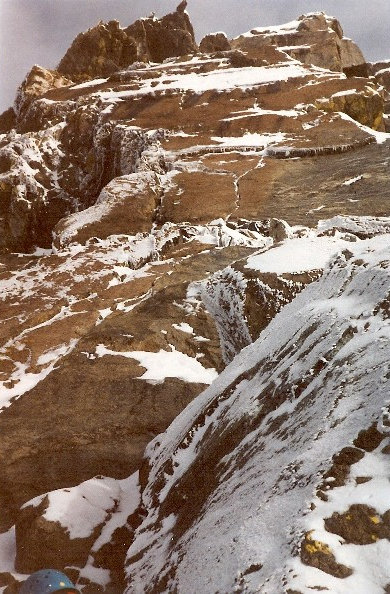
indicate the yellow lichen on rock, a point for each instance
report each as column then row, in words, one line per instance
column 375, row 519
column 316, row 546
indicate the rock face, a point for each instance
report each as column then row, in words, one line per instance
column 158, row 39
column 98, row 52
column 255, row 442
column 106, row 48
column 171, row 220
column 37, row 82
column 87, row 141
column 7, row 120
column 313, row 39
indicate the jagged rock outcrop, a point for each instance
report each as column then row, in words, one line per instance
column 126, row 205
column 382, row 76
column 243, row 301
column 366, row 107
column 314, row 39
column 7, row 120
column 37, row 82
column 158, row 39
column 66, row 541
column 99, row 52
column 108, row 47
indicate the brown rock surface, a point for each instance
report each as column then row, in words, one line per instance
column 98, row 52
column 126, row 205
column 246, row 135
column 319, row 555
column 42, row 543
column 158, row 39
column 198, row 197
column 312, row 39
column 37, row 82
column 7, row 120
column 360, row 525
column 214, row 42
column 89, row 433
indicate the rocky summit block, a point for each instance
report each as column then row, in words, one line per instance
column 107, row 47
column 313, row 38
column 170, row 36
column 100, row 51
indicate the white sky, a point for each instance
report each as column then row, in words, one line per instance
column 40, row 31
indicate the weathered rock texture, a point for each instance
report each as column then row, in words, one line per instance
column 313, row 39
column 107, row 47
column 251, row 444
column 214, row 42
column 73, row 141
column 100, row 51
column 129, row 207
column 37, row 82
column 158, row 39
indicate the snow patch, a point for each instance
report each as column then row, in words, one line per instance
column 164, row 364
column 297, row 255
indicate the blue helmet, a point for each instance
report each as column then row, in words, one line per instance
column 48, row 581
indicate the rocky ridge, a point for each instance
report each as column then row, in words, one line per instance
column 142, row 248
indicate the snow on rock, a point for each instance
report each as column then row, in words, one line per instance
column 184, row 327
column 22, row 379
column 218, row 80
column 363, row 227
column 352, row 180
column 80, row 509
column 243, row 298
column 231, row 480
column 7, row 551
column 314, row 38
column 164, row 364
column 224, row 297
column 61, row 527
column 297, row 255
column 380, row 137
column 219, row 234
column 291, row 26
column 351, row 521
column 250, row 140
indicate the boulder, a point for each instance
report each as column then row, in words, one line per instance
column 126, row 205
column 383, row 78
column 214, row 42
column 365, row 106
column 351, row 55
column 58, row 529
column 107, row 47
